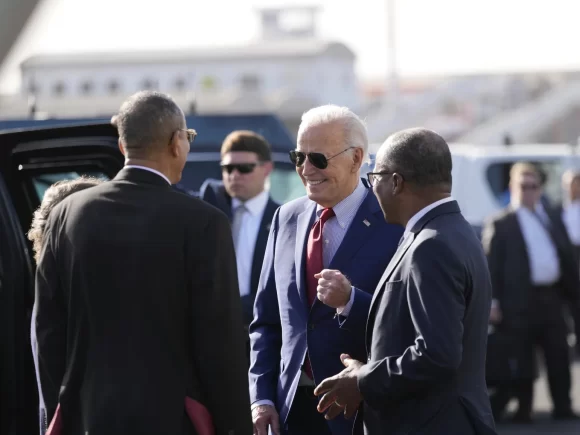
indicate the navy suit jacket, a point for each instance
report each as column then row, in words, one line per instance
column 214, row 192
column 427, row 334
column 285, row 326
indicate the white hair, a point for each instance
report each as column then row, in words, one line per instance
column 355, row 129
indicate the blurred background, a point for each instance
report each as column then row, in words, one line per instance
column 499, row 79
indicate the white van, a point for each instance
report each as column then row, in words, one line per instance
column 481, row 173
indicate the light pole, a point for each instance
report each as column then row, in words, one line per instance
column 392, row 93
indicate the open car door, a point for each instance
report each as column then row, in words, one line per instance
column 30, row 161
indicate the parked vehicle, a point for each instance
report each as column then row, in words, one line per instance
column 34, row 155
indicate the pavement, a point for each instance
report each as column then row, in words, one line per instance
column 542, row 408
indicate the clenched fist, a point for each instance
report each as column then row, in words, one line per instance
column 333, row 288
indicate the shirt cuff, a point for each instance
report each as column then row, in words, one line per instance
column 262, row 402
column 344, row 311
column 494, row 303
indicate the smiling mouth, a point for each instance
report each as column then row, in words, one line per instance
column 314, row 182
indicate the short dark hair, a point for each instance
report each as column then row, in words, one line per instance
column 421, row 156
column 147, row 119
column 246, row 140
column 52, row 197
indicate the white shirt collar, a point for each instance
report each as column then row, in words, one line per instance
column 255, row 205
column 145, row 168
column 347, row 208
column 423, row 212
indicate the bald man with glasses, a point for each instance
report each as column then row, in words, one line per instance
column 325, row 255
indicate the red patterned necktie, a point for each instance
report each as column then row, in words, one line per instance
column 314, row 264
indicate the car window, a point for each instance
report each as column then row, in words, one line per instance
column 285, row 184
column 498, row 177
column 44, row 181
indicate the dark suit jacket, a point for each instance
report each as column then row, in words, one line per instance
column 136, row 308
column 508, row 261
column 285, row 326
column 214, row 192
column 427, row 334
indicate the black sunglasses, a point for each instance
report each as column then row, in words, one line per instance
column 242, row 168
column 318, row 160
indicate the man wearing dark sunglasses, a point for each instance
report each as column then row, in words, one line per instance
column 324, row 258
column 246, row 163
column 534, row 273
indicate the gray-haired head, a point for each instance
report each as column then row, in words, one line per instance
column 355, row 131
column 420, row 156
column 147, row 121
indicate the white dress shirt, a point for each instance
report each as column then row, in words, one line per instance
column 542, row 254
column 250, row 228
column 571, row 218
column 145, row 168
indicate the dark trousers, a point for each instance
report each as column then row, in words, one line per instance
column 304, row 419
column 549, row 331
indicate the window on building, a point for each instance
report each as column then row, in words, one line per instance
column 250, row 82
column 180, row 84
column 149, row 84
column 87, row 87
column 113, row 86
column 59, row 89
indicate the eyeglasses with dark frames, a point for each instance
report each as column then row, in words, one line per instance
column 318, row 160
column 375, row 177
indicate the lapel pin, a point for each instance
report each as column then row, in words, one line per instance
column 367, row 223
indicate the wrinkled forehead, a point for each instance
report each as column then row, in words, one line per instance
column 322, row 138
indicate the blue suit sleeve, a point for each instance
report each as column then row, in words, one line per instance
column 265, row 329
column 435, row 293
column 356, row 321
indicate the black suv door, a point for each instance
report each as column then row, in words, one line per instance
column 30, row 161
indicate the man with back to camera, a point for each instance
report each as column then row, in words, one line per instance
column 137, row 307
column 319, row 272
column 427, row 325
column 246, row 162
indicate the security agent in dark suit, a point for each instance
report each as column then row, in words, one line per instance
column 246, row 162
column 534, row 273
column 137, row 301
column 427, row 324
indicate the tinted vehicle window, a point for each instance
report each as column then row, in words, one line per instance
column 498, row 177
column 44, row 181
column 285, row 184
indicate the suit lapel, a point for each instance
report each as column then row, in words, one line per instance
column 304, row 223
column 390, row 268
column 261, row 242
column 361, row 229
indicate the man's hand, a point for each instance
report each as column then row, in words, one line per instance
column 264, row 416
column 333, row 288
column 340, row 392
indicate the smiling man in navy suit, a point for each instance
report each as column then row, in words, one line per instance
column 320, row 269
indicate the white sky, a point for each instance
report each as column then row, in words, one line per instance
column 433, row 36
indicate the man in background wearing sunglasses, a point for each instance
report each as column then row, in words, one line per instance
column 533, row 272
column 246, row 162
column 325, row 255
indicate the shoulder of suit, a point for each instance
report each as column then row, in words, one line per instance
column 296, row 206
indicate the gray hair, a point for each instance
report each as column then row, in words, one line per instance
column 52, row 197
column 147, row 119
column 421, row 156
column 354, row 127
